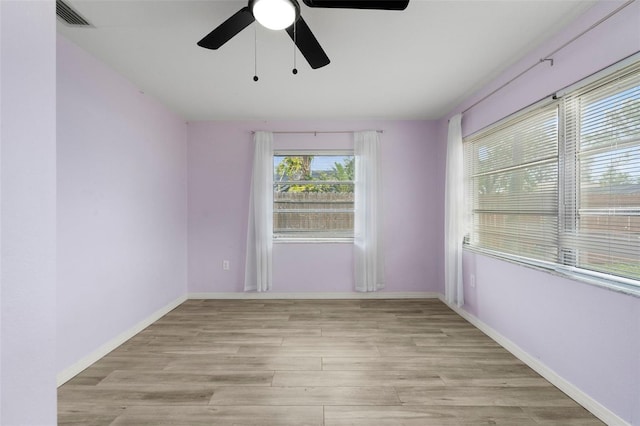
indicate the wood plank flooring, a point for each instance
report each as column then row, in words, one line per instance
column 313, row 362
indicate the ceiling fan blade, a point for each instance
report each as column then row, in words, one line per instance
column 308, row 45
column 228, row 29
column 360, row 4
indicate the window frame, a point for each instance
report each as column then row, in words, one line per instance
column 306, row 239
column 565, row 264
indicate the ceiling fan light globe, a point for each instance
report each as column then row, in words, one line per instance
column 274, row 14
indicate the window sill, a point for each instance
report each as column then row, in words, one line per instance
column 285, row 240
column 620, row 285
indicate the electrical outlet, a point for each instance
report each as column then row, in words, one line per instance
column 472, row 281
column 225, row 265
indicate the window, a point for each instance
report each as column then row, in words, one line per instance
column 560, row 185
column 602, row 216
column 513, row 186
column 313, row 195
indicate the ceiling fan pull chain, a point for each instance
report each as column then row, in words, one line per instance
column 295, row 41
column 255, row 52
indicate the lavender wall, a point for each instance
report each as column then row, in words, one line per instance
column 27, row 227
column 121, row 205
column 588, row 335
column 610, row 42
column 220, row 159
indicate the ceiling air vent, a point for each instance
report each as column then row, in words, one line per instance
column 70, row 16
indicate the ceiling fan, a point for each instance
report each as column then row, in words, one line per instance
column 285, row 14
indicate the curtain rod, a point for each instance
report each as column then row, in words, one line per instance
column 547, row 58
column 311, row 132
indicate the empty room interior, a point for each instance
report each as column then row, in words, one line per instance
column 360, row 212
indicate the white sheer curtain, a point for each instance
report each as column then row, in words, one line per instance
column 260, row 227
column 453, row 214
column 369, row 257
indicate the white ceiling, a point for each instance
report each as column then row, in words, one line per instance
column 415, row 64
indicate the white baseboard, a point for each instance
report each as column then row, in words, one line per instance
column 70, row 372
column 354, row 295
column 597, row 409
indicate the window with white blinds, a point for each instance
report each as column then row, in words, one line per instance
column 602, row 145
column 512, row 186
column 561, row 184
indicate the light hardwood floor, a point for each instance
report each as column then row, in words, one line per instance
column 313, row 362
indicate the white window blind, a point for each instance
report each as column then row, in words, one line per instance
column 511, row 175
column 601, row 230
